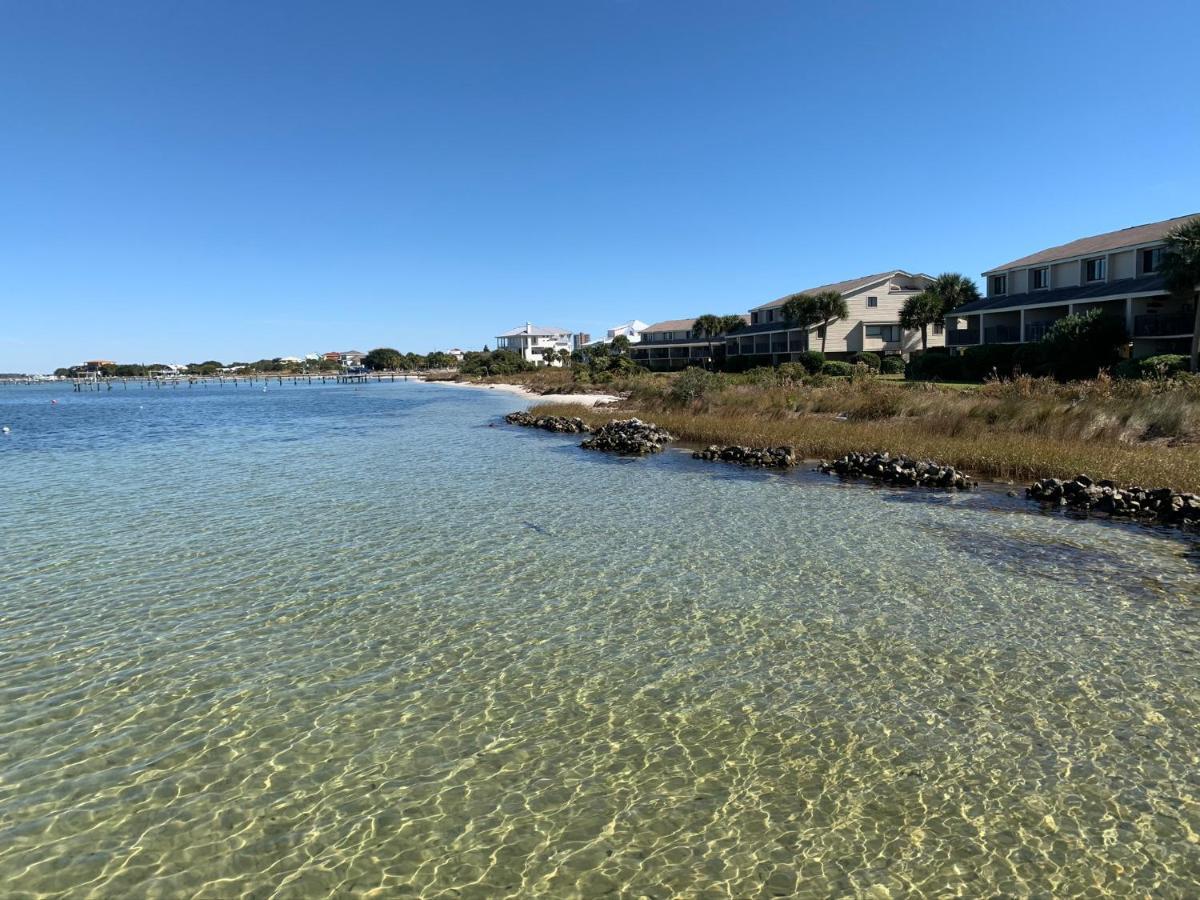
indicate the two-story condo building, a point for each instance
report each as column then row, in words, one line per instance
column 535, row 343
column 1117, row 272
column 673, row 345
column 873, row 325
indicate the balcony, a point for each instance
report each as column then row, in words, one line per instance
column 962, row 337
column 1154, row 325
column 1002, row 334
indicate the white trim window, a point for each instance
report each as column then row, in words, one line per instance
column 1039, row 279
column 1151, row 260
column 999, row 285
column 872, row 303
column 1095, row 269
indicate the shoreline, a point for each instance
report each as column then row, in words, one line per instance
column 585, row 400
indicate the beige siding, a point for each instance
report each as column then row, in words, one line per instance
column 1121, row 265
column 1018, row 281
column 849, row 335
column 1065, row 274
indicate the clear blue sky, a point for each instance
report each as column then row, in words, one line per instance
column 188, row 180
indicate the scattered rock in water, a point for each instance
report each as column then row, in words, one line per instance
column 561, row 424
column 1083, row 494
column 898, row 470
column 629, row 436
column 766, row 457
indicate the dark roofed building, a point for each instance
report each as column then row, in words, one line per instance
column 1116, row 272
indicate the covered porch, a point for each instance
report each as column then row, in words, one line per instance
column 1002, row 327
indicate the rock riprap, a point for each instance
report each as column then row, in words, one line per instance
column 898, row 470
column 629, row 436
column 1084, row 494
column 561, row 424
column 766, row 457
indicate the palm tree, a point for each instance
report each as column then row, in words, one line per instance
column 711, row 326
column 920, row 311
column 801, row 311
column 953, row 290
column 730, row 324
column 564, row 356
column 706, row 325
column 1181, row 267
column 831, row 306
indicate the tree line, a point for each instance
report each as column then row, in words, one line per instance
column 379, row 359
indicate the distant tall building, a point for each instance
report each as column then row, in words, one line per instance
column 578, row 340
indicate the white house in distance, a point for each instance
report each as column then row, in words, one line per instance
column 1116, row 272
column 873, row 325
column 632, row 330
column 535, row 343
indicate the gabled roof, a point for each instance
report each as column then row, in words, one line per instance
column 680, row 324
column 1100, row 243
column 535, row 330
column 845, row 287
column 1152, row 285
column 635, row 324
column 671, row 325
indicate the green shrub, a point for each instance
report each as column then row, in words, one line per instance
column 1079, row 346
column 694, row 384
column 989, row 360
column 935, row 364
column 868, row 359
column 837, row 367
column 891, row 365
column 812, row 360
column 765, row 376
column 1166, row 365
column 1033, row 359
column 495, row 362
column 792, row 372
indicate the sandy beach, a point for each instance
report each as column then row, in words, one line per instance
column 579, row 399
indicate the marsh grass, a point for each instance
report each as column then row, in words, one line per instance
column 1134, row 432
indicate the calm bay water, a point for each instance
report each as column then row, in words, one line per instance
column 328, row 640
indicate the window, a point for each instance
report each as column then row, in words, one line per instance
column 821, row 331
column 886, row 333
column 872, row 302
column 1094, row 269
column 753, row 318
column 1039, row 279
column 999, row 284
column 939, row 327
column 770, row 315
column 1151, row 260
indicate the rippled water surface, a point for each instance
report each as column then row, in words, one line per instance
column 336, row 641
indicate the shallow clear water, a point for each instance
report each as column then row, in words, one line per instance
column 309, row 642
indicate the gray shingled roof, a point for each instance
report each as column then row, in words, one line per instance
column 1124, row 287
column 681, row 324
column 1100, row 243
column 843, row 287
